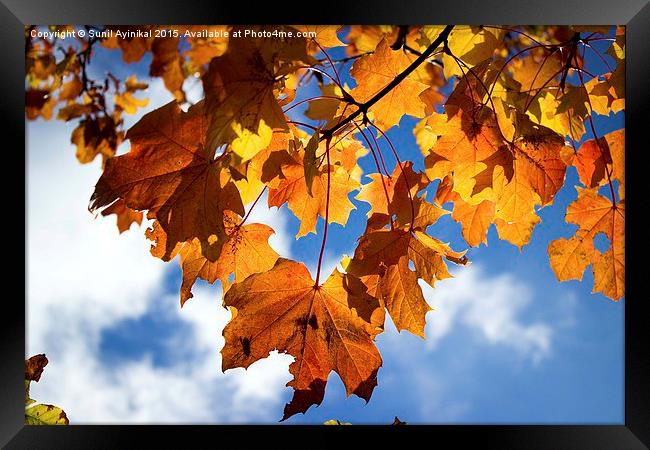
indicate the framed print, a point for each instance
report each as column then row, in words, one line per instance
column 361, row 218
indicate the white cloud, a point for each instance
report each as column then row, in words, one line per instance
column 490, row 305
column 191, row 391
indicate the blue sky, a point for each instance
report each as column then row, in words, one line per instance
column 507, row 343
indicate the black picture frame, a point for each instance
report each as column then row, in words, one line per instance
column 635, row 14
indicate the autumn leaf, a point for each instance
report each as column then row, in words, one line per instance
column 469, row 44
column 594, row 215
column 534, row 71
column 421, row 216
column 126, row 101
column 569, row 122
column 538, row 173
column 392, row 195
column 325, row 328
column 381, row 261
column 292, row 189
column 96, row 136
column 45, row 415
column 475, row 220
column 39, row 103
column 34, row 367
column 239, row 91
column 604, row 94
column 602, row 160
column 326, row 36
column 517, row 232
column 344, row 153
column 125, row 216
column 265, row 168
column 244, row 252
column 327, row 105
column 168, row 168
column 129, row 103
column 405, row 303
column 374, row 72
column 471, row 149
column 38, row 413
column 428, row 130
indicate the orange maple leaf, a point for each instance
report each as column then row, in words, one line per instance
column 596, row 158
column 245, row 251
column 471, row 148
column 324, row 328
column 594, row 214
column 171, row 173
column 125, row 216
column 374, row 72
column 292, row 189
column 381, row 261
column 389, row 195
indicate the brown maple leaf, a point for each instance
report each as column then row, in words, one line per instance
column 167, row 63
column 239, row 92
column 34, row 367
column 324, row 328
column 96, row 136
column 171, row 173
column 125, row 216
column 381, row 261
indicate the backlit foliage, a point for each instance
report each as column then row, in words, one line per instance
column 38, row 413
column 502, row 114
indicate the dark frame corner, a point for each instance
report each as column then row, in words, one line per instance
column 634, row 434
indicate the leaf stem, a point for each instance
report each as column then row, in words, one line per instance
column 381, row 175
column 381, row 156
column 401, row 168
column 327, row 213
column 598, row 143
column 252, row 206
column 336, row 73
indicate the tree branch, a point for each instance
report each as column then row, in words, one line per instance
column 364, row 107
